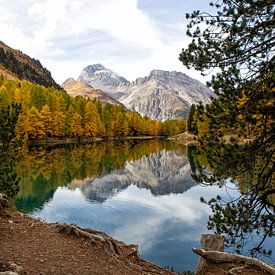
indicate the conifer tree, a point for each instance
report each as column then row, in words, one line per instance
column 8, row 150
column 35, row 127
column 239, row 41
column 46, row 118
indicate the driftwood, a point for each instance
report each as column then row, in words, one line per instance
column 224, row 257
column 15, row 269
column 209, row 242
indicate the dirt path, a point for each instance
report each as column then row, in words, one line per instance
column 39, row 248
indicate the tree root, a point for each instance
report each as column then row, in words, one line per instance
column 117, row 249
column 111, row 246
column 237, row 269
column 224, row 257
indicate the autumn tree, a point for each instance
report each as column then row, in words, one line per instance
column 58, row 124
column 35, row 127
column 46, row 118
column 47, row 112
column 92, row 120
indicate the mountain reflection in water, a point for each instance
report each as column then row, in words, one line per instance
column 137, row 191
column 162, row 173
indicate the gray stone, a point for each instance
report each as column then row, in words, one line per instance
column 104, row 79
column 162, row 95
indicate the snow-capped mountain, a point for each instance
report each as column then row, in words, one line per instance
column 104, row 79
column 162, row 95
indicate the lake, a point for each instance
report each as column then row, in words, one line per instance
column 140, row 192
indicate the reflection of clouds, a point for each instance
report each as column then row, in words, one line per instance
column 163, row 226
column 161, row 215
column 134, row 215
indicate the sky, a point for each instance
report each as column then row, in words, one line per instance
column 130, row 37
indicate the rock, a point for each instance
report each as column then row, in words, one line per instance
column 165, row 95
column 184, row 138
column 212, row 242
column 8, row 273
column 104, row 79
column 75, row 88
column 16, row 268
column 162, row 95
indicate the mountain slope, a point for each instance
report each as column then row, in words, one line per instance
column 165, row 95
column 104, row 79
column 77, row 88
column 162, row 95
column 25, row 67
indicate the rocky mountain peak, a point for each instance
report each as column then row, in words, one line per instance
column 95, row 68
column 161, row 95
column 68, row 80
column 165, row 95
column 104, row 79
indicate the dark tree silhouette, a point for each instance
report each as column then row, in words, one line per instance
column 8, row 150
column 239, row 42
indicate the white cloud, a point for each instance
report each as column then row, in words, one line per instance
column 131, row 41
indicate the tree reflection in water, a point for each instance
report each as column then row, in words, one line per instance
column 42, row 170
column 249, row 218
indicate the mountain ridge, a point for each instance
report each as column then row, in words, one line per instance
column 25, row 67
column 77, row 88
column 161, row 95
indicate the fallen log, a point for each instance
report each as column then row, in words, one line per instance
column 224, row 257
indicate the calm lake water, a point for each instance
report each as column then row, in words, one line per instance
column 139, row 192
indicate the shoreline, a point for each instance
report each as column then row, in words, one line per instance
column 71, row 141
column 32, row 246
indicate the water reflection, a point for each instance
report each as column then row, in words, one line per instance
column 43, row 170
column 162, row 173
column 139, row 192
column 247, row 220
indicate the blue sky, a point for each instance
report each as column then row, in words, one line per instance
column 131, row 37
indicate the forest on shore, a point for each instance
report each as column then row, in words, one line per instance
column 51, row 113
